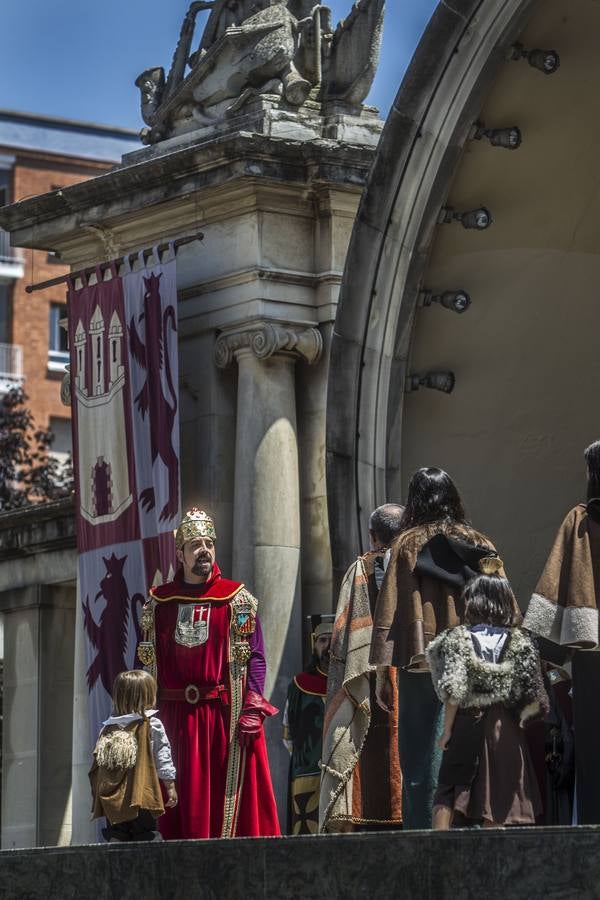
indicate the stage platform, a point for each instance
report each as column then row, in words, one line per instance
column 528, row 863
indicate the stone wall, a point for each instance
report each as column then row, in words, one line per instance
column 38, row 564
column 516, row 863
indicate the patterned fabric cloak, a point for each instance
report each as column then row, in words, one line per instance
column 361, row 780
column 564, row 605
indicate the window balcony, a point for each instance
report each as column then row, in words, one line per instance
column 11, row 367
column 11, row 261
column 57, row 360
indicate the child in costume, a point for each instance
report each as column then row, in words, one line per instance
column 131, row 755
column 487, row 674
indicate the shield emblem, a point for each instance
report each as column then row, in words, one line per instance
column 191, row 629
column 244, row 621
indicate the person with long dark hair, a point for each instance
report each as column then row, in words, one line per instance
column 564, row 605
column 431, row 560
column 487, row 673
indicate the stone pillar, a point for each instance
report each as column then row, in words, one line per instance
column 83, row 830
column 266, row 528
column 38, row 692
column 316, row 546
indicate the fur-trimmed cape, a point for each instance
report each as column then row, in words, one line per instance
column 460, row 676
column 564, row 605
column 120, row 792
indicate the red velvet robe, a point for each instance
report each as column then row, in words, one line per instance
column 199, row 733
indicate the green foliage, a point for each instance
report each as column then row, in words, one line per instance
column 28, row 473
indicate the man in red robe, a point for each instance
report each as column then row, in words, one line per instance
column 203, row 643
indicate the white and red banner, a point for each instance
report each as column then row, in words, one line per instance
column 125, row 417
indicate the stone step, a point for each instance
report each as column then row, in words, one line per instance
column 503, row 864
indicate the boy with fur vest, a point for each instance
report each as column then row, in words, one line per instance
column 131, row 755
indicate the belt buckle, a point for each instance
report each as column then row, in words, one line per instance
column 192, row 694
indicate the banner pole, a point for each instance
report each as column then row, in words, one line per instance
column 62, row 279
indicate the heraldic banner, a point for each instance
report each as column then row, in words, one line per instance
column 125, row 417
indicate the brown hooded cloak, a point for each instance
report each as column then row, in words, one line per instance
column 414, row 606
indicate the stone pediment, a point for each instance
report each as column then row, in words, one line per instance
column 247, row 54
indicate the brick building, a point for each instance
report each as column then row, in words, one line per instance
column 40, row 154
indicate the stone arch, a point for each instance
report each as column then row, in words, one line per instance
column 376, row 434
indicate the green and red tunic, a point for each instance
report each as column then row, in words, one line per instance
column 303, row 736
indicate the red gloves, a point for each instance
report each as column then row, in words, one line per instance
column 255, row 711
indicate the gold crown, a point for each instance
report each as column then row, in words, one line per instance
column 196, row 523
column 490, row 565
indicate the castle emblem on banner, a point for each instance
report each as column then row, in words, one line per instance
column 99, row 382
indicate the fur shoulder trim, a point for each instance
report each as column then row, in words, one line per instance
column 461, row 676
column 414, row 539
column 117, row 749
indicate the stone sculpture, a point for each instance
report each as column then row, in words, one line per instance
column 285, row 52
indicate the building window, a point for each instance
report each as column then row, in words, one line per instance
column 6, row 252
column 4, row 186
column 58, row 348
column 62, row 443
column 5, row 313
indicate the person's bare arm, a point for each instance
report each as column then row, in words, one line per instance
column 450, row 710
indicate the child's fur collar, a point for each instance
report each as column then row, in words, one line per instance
column 460, row 676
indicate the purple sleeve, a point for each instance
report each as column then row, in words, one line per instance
column 257, row 667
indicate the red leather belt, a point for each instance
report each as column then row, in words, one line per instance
column 194, row 693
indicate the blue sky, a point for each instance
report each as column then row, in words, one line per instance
column 79, row 58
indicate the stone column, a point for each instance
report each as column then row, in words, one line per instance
column 266, row 527
column 84, row 831
column 316, row 547
column 38, row 692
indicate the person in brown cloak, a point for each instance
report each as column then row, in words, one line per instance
column 564, row 605
column 435, row 555
column 564, row 611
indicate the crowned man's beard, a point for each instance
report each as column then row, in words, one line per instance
column 201, row 562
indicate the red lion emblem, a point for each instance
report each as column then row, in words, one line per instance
column 153, row 357
column 109, row 634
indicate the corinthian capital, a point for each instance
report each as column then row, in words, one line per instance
column 268, row 338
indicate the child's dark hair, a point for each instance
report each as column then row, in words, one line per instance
column 489, row 600
column 133, row 692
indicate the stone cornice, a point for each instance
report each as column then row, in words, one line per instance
column 250, row 275
column 39, row 528
column 113, row 197
column 268, row 338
